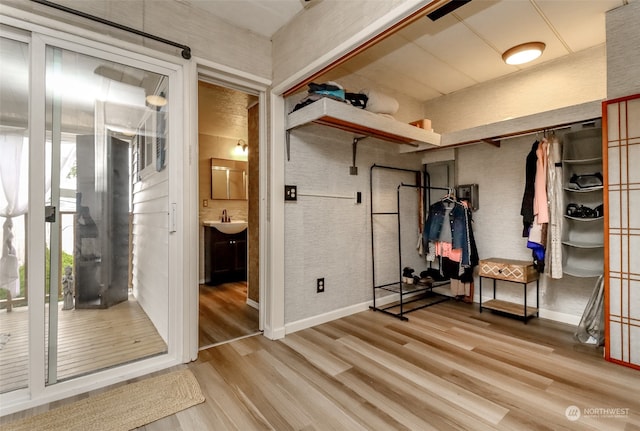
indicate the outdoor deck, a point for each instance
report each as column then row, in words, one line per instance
column 88, row 340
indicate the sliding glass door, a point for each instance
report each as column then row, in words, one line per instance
column 14, row 183
column 97, row 210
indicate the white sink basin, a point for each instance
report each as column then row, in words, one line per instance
column 234, row 226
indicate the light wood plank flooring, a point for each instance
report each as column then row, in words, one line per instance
column 447, row 368
column 88, row 340
column 224, row 314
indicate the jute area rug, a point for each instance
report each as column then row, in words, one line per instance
column 123, row 408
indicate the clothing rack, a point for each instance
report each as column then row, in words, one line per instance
column 416, row 292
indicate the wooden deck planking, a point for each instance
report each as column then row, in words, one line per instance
column 88, row 340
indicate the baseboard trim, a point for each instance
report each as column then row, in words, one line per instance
column 335, row 314
column 319, row 319
column 557, row 316
column 254, row 304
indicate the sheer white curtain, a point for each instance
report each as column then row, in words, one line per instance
column 13, row 202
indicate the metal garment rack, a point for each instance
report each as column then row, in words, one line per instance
column 417, row 291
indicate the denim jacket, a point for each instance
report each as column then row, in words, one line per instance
column 458, row 223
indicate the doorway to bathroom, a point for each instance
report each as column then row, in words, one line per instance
column 228, row 214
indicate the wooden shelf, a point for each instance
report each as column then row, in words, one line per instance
column 509, row 307
column 343, row 116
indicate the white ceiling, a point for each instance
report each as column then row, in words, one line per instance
column 263, row 17
column 428, row 59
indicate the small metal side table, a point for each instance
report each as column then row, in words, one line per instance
column 515, row 271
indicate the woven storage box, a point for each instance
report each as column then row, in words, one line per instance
column 520, row 271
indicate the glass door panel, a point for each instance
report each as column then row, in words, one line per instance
column 14, row 182
column 106, row 211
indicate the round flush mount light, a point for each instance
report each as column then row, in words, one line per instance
column 156, row 100
column 523, row 53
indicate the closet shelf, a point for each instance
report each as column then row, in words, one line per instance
column 340, row 115
column 583, row 161
column 583, row 244
column 590, row 189
column 585, row 219
column 581, row 272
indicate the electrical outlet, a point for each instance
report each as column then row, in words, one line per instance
column 320, row 285
column 290, row 193
column 205, row 202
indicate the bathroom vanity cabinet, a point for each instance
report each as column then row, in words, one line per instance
column 225, row 256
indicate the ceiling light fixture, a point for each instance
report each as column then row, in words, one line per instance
column 156, row 99
column 241, row 148
column 523, row 53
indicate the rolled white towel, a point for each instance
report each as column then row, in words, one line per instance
column 380, row 103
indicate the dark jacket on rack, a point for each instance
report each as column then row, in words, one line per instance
column 459, row 223
column 526, row 209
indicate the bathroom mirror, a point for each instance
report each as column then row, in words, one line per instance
column 228, row 179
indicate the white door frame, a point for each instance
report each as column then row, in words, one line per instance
column 247, row 83
column 46, row 31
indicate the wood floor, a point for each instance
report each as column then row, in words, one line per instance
column 447, row 368
column 88, row 340
column 224, row 314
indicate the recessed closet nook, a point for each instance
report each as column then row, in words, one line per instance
column 521, row 156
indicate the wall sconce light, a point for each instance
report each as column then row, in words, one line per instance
column 241, row 148
column 523, row 53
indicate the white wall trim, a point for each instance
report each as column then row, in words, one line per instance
column 253, row 304
column 338, row 314
column 232, row 77
column 557, row 316
column 274, row 227
column 319, row 319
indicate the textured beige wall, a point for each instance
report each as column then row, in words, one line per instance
column 253, row 261
column 208, row 36
column 321, row 28
column 623, row 52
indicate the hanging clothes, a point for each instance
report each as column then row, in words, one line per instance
column 536, row 231
column 526, row 209
column 540, row 201
column 449, row 235
column 556, row 207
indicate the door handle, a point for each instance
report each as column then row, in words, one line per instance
column 50, row 214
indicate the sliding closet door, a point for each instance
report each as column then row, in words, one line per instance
column 622, row 274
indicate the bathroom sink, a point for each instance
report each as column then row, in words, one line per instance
column 235, row 226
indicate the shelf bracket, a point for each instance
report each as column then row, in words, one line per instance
column 491, row 141
column 353, row 169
